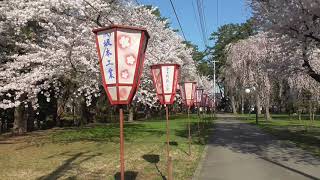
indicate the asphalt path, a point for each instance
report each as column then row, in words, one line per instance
column 239, row 151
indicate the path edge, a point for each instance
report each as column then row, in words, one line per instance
column 200, row 164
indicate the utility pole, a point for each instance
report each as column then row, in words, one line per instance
column 214, row 83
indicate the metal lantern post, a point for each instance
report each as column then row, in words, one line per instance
column 182, row 92
column 207, row 106
column 211, row 105
column 198, row 100
column 165, row 79
column 121, row 52
column 188, row 90
column 203, row 104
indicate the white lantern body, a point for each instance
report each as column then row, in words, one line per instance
column 188, row 92
column 121, row 52
column 198, row 96
column 165, row 79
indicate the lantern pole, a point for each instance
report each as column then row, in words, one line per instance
column 169, row 160
column 198, row 118
column 121, row 143
column 212, row 111
column 109, row 53
column 189, row 130
column 203, row 119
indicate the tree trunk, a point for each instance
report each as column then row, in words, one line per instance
column 30, row 118
column 267, row 112
column 54, row 106
column 242, row 103
column 233, row 105
column 148, row 113
column 258, row 104
column 131, row 112
column 84, row 114
column 1, row 125
column 310, row 110
column 299, row 114
column 60, row 111
column 20, row 123
column 306, row 64
column 280, row 97
column 313, row 114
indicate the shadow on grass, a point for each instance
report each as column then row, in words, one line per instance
column 68, row 165
column 173, row 143
column 176, row 144
column 128, row 175
column 154, row 159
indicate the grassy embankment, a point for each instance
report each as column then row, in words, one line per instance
column 93, row 152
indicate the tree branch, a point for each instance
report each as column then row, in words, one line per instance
column 306, row 64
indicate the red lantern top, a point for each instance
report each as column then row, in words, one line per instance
column 165, row 79
column 188, row 92
column 121, row 51
column 198, row 99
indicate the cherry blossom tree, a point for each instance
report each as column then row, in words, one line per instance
column 246, row 68
column 264, row 62
column 52, row 49
column 299, row 21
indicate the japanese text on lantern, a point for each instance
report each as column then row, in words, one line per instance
column 107, row 54
column 167, row 79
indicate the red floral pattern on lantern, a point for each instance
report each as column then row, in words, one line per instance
column 125, row 74
column 123, row 93
column 130, row 60
column 121, row 52
column 124, row 42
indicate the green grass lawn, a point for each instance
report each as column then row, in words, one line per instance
column 93, row 152
column 304, row 133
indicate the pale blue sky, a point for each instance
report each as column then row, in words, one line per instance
column 230, row 11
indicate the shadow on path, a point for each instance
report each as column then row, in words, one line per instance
column 291, row 169
column 244, row 138
column 238, row 147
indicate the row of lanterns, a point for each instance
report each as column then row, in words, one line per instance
column 121, row 52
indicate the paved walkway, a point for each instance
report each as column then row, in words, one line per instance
column 238, row 151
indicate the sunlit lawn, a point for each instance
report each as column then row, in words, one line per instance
column 304, row 133
column 93, row 152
